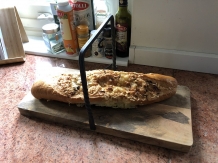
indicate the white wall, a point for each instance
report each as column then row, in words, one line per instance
column 185, row 26
column 114, row 5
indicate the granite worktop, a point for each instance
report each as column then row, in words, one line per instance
column 31, row 140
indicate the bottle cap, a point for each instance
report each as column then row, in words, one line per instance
column 93, row 32
column 63, row 2
column 50, row 28
column 107, row 32
column 123, row 3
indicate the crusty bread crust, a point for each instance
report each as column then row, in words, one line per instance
column 109, row 88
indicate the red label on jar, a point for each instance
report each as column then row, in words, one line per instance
column 61, row 14
column 79, row 5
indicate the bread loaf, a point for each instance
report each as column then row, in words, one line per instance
column 109, row 88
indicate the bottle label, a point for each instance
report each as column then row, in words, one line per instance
column 68, row 31
column 77, row 6
column 121, row 38
column 83, row 12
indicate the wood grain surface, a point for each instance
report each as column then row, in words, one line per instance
column 166, row 124
column 13, row 34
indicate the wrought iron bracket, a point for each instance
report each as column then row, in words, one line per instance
column 82, row 64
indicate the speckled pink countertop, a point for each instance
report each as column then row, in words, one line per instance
column 31, row 140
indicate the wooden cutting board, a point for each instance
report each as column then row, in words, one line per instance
column 13, row 34
column 166, row 124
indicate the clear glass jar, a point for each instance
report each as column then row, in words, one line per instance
column 52, row 38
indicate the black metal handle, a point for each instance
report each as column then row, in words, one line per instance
column 82, row 64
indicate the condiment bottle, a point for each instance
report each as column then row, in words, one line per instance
column 108, row 46
column 123, row 29
column 52, row 38
column 68, row 30
column 83, row 37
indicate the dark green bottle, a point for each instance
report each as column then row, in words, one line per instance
column 123, row 29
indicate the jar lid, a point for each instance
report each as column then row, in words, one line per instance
column 63, row 2
column 94, row 31
column 82, row 29
column 50, row 28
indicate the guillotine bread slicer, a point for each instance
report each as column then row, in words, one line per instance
column 166, row 124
